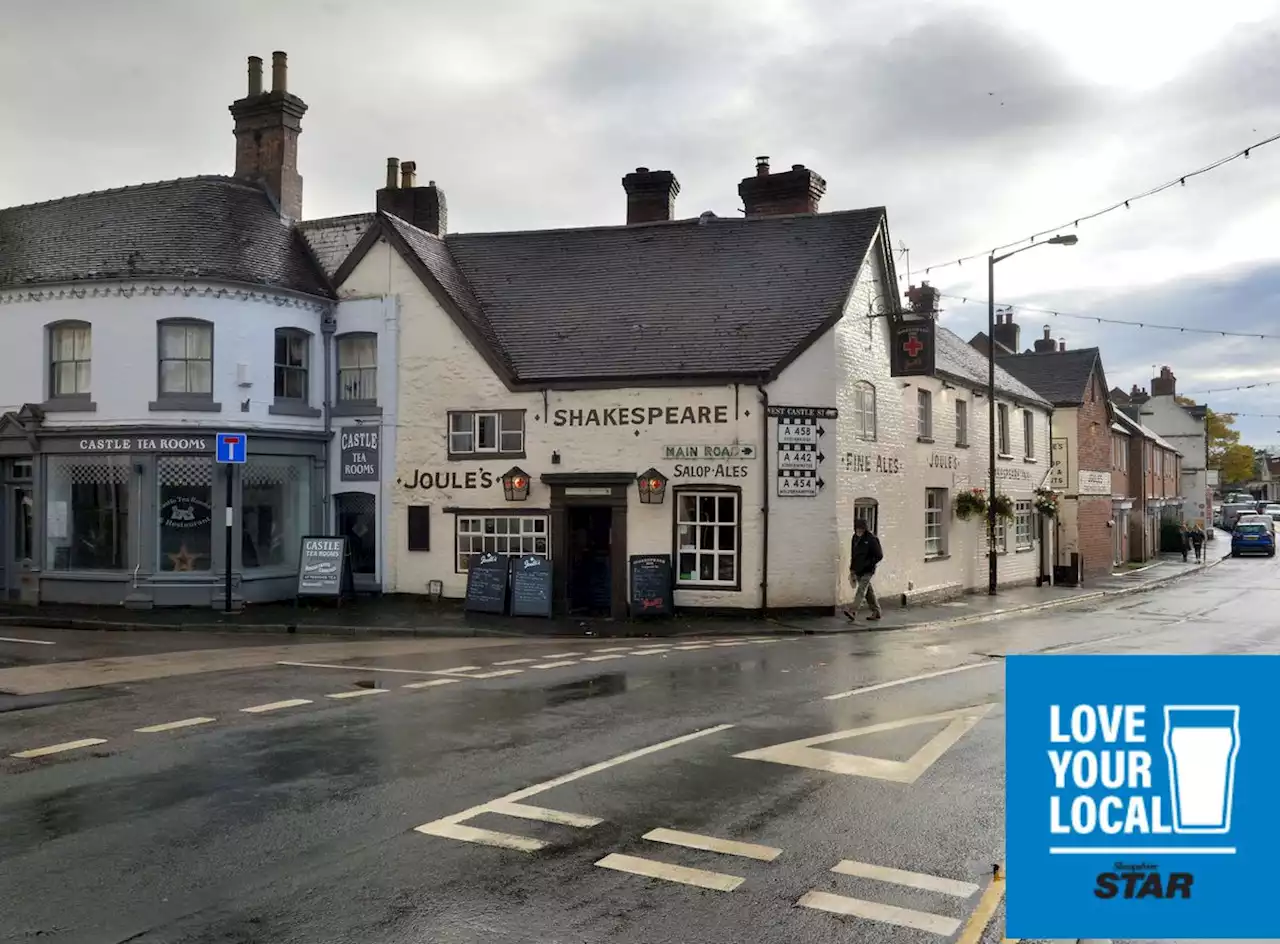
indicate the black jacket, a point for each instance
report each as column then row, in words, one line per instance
column 864, row 554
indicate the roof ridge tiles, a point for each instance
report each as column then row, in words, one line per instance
column 111, row 191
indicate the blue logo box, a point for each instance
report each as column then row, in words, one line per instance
column 1142, row 796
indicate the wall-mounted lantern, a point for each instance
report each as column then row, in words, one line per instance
column 653, row 487
column 515, row 484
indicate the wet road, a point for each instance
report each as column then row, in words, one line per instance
column 549, row 791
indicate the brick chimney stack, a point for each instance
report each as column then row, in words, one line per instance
column 1007, row 332
column 1166, row 385
column 423, row 207
column 792, row 191
column 651, row 195
column 267, row 125
column 1045, row 345
column 923, row 299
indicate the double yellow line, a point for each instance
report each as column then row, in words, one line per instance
column 976, row 926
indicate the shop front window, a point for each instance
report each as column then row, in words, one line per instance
column 87, row 513
column 358, row 522
column 707, row 538
column 275, row 511
column 185, row 514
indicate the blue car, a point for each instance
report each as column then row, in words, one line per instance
column 1253, row 539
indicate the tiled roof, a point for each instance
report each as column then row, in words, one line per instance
column 1061, row 377
column 1133, row 426
column 963, row 362
column 197, row 227
column 720, row 298
column 333, row 239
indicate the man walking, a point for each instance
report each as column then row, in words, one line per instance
column 864, row 554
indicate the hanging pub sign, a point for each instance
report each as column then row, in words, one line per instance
column 913, row 346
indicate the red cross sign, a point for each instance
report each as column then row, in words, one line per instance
column 913, row 346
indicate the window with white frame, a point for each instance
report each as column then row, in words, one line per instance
column 708, row 537
column 1002, row 414
column 1023, row 525
column 867, row 511
column 486, row 433
column 509, row 535
column 1028, row 434
column 357, row 368
column 864, row 410
column 924, row 414
column 935, row 522
column 186, row 359
column 70, row 349
column 1002, row 536
column 962, row 422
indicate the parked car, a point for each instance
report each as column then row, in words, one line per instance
column 1233, row 510
column 1272, row 511
column 1265, row 521
column 1252, row 537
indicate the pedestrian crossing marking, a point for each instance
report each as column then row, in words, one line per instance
column 359, row 693
column 616, row 655
column 650, row 868
column 554, row 665
column 431, row 683
column 746, row 850
column 802, row 753
column 875, row 911
column 651, row 652
column 515, row 661
column 928, row 883
column 544, row 814
column 59, row 748
column 485, row 837
column 499, row 674
column 174, row 725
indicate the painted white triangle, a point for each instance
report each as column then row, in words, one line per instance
column 802, row 753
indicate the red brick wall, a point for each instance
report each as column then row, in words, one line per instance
column 1119, row 467
column 1093, row 446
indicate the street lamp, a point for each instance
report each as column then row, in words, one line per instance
column 992, row 566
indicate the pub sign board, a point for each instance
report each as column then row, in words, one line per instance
column 359, row 451
column 324, row 567
column 913, row 347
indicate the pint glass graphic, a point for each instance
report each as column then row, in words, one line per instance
column 1201, row 742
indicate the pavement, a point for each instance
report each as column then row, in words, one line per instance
column 185, row 787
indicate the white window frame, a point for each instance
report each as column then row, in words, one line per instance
column 356, row 375
column 1002, row 536
column 962, row 422
column 864, row 410
column 1024, row 532
column 698, row 525
column 935, row 523
column 79, row 331
column 189, row 327
column 516, row 536
column 287, row 369
column 924, row 414
column 1002, row 424
column 868, row 510
column 465, row 428
column 1028, row 434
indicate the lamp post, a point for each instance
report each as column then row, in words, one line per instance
column 992, row 566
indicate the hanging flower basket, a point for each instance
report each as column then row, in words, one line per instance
column 970, row 503
column 1046, row 502
column 1003, row 505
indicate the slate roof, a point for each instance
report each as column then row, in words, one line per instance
column 1061, row 377
column 332, row 239
column 722, row 298
column 963, row 363
column 1133, row 426
column 217, row 228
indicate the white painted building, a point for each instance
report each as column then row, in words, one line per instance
column 580, row 365
column 1183, row 425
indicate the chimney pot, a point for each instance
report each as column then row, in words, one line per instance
column 408, row 175
column 423, row 207
column 279, row 72
column 255, row 76
column 651, row 195
column 1046, row 332
column 642, row 170
column 797, row 190
column 762, row 166
column 797, row 167
column 393, row 172
column 1062, row 344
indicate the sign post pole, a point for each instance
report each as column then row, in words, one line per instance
column 231, row 449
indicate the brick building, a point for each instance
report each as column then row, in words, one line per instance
column 1152, row 472
column 1074, row 382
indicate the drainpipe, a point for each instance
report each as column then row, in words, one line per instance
column 764, row 510
column 328, row 325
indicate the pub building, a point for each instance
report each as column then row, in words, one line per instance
column 142, row 321
column 728, row 394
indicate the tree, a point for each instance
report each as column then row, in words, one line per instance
column 1232, row 459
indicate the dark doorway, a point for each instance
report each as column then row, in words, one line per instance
column 590, row 565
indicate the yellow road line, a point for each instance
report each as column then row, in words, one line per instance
column 985, row 911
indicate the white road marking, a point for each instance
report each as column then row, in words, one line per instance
column 928, row 883
column 554, row 665
column 874, row 911
column 276, row 705
column 545, row 815
column 356, row 668
column 604, row 658
column 59, row 748
column 174, row 725
column 716, row 881
column 651, row 652
column 515, row 661
column 615, row 649
column 499, row 674
column 691, row 648
column 913, row 678
column 430, row 683
column 802, row 753
column 747, row 850
column 725, row 645
column 449, row 827
column 456, row 669
column 34, row 642
column 359, row 693
column 562, row 655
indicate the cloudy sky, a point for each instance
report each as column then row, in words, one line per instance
column 976, row 122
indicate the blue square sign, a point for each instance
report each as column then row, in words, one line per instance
column 1141, row 796
column 232, row 448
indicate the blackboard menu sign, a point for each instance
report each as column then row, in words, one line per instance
column 487, row 584
column 324, row 567
column 651, row 587
column 530, row 586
